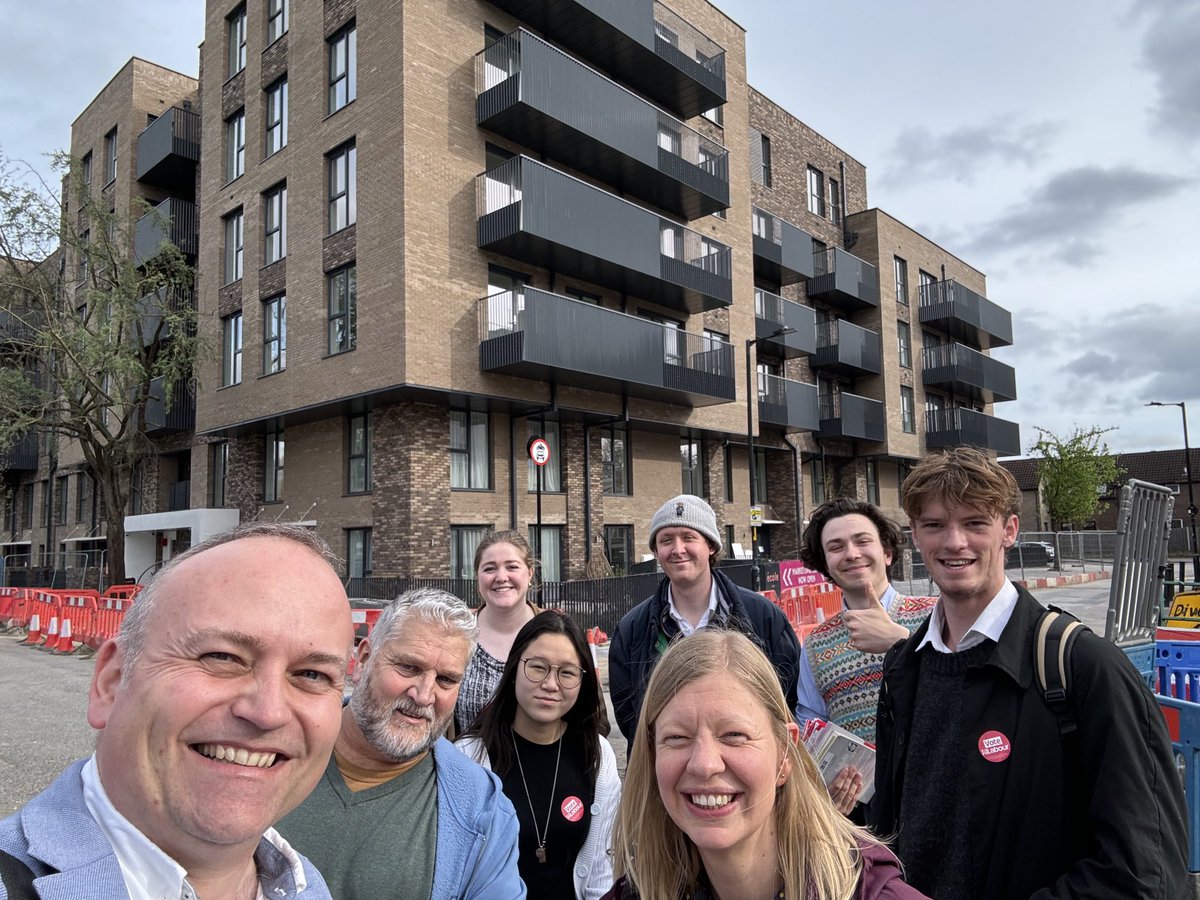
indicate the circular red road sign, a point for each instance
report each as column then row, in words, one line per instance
column 539, row 451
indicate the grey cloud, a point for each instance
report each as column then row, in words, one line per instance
column 1170, row 53
column 961, row 153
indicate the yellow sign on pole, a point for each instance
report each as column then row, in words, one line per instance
column 756, row 517
column 1185, row 611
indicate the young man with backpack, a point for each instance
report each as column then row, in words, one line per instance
column 994, row 787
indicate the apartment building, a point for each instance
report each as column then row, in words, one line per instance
column 137, row 142
column 429, row 236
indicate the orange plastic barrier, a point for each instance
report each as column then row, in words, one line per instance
column 77, row 619
column 109, row 613
column 122, row 591
column 18, row 610
column 364, row 621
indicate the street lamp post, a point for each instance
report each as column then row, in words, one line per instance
column 755, row 575
column 1187, row 470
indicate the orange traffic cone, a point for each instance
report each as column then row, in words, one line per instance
column 50, row 639
column 65, row 645
column 35, row 631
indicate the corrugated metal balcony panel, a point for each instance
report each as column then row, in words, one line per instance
column 772, row 312
column 625, row 39
column 790, row 405
column 180, row 417
column 853, row 416
column 15, row 327
column 535, row 95
column 168, row 151
column 965, row 315
column 968, row 427
column 536, row 334
column 844, row 280
column 966, row 371
column 21, row 456
column 534, row 213
column 151, row 309
column 847, row 348
column 783, row 253
column 172, row 220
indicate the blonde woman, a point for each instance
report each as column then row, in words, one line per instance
column 721, row 802
column 504, row 573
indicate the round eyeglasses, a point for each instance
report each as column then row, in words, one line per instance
column 537, row 670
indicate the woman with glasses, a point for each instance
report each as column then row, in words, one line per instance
column 541, row 735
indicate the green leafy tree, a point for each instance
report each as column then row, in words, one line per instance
column 91, row 334
column 1074, row 472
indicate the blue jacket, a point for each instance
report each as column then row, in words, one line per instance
column 57, row 838
column 477, row 832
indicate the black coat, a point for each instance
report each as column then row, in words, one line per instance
column 1099, row 814
column 633, row 654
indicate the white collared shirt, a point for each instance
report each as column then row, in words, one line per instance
column 990, row 624
column 685, row 627
column 148, row 872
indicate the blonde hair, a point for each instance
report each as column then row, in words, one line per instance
column 817, row 847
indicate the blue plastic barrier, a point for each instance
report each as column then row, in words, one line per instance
column 1143, row 658
column 1183, row 722
column 1178, row 669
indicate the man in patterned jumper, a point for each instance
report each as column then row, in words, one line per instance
column 853, row 543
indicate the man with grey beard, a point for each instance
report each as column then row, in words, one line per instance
column 400, row 813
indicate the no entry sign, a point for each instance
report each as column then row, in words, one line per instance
column 539, row 451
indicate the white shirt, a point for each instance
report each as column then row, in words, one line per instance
column 148, row 872
column 685, row 627
column 990, row 624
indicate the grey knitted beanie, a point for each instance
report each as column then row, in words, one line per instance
column 686, row 511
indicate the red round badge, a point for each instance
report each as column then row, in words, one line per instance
column 572, row 809
column 994, row 746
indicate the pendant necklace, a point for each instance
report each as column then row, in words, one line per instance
column 540, row 835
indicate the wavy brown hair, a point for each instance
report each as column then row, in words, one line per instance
column 812, row 551
column 961, row 476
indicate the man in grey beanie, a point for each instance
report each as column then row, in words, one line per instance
column 693, row 595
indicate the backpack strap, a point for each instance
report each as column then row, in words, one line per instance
column 1055, row 634
column 16, row 877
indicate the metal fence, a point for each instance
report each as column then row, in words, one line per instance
column 60, row 570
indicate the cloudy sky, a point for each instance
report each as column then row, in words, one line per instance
column 1053, row 145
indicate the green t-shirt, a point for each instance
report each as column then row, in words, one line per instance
column 377, row 843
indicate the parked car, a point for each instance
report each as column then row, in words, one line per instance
column 1031, row 553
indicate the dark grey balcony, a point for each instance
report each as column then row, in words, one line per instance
column 790, row 405
column 783, row 253
column 168, row 151
column 843, row 280
column 536, row 95
column 965, row 315
column 536, row 334
column 21, row 456
column 851, row 416
column 172, row 220
column 959, row 427
column 967, row 372
column 638, row 42
column 179, row 495
column 16, row 330
column 165, row 301
column 180, row 417
column 847, row 349
column 534, row 213
column 772, row 312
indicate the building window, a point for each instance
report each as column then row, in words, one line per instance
column 900, row 267
column 85, row 169
column 358, row 553
column 928, row 288
column 231, row 350
column 760, row 474
column 728, row 458
column 273, row 466
column 835, row 202
column 275, row 224
column 816, row 192
column 85, row 238
column 818, row 482
column 582, row 296
column 903, row 470
column 85, row 497
column 343, row 309
column 136, row 478
column 547, row 550
column 908, row 410
column 277, row 117
column 548, row 430
column 904, row 344
column 358, row 455
column 277, row 20
column 220, row 473
column 343, row 65
column 716, row 115
column 766, row 160
column 618, row 547
column 872, row 482
column 464, row 539
column 760, row 224
column 275, row 335
column 110, row 156
column 615, row 456
column 233, row 246
column 235, row 145
column 691, row 463
column 236, row 29
column 470, row 453
column 60, row 499
column 343, row 188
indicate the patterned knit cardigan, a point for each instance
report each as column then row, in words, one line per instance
column 849, row 679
